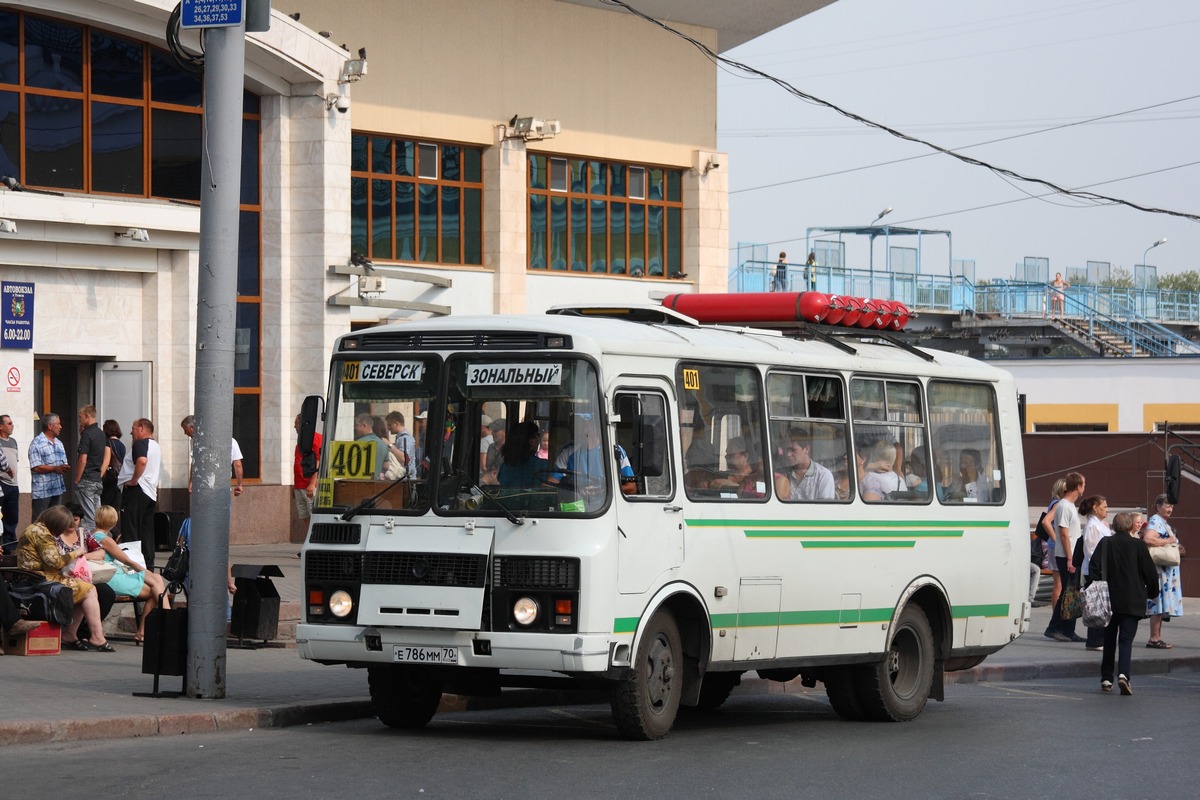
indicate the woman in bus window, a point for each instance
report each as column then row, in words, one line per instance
column 880, row 478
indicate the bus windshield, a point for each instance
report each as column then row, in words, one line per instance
column 521, row 436
column 378, row 406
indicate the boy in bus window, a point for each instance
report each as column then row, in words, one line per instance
column 801, row 478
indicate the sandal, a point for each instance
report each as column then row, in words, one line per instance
column 1159, row 644
column 102, row 648
column 78, row 644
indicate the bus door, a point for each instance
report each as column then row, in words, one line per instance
column 649, row 518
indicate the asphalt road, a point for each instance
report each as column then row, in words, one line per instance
column 1053, row 738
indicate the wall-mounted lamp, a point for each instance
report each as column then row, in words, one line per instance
column 532, row 129
column 354, row 68
column 133, row 234
column 8, row 226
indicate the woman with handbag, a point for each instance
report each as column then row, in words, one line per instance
column 1094, row 510
column 1168, row 602
column 39, row 552
column 1125, row 564
column 131, row 578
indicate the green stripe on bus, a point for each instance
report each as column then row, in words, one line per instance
column 845, row 523
column 803, row 533
column 992, row 610
column 881, row 543
column 768, row 619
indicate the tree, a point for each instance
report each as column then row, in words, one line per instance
column 1180, row 281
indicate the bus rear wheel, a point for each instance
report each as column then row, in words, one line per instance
column 644, row 704
column 404, row 696
column 895, row 689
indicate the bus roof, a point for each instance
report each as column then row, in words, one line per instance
column 654, row 330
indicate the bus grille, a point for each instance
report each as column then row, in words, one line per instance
column 425, row 569
column 455, row 340
column 335, row 533
column 322, row 567
column 535, row 573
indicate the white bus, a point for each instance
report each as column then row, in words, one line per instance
column 630, row 499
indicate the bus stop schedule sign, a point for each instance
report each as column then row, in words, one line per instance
column 212, row 13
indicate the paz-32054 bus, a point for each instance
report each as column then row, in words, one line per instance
column 633, row 499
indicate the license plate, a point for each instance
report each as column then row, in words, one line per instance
column 425, row 655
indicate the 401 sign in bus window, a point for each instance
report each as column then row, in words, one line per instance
column 353, row 459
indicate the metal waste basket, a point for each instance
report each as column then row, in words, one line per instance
column 256, row 602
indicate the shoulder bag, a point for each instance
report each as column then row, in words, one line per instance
column 1165, row 555
column 1097, row 605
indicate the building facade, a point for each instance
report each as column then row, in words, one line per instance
column 495, row 157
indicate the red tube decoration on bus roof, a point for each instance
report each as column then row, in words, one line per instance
column 750, row 308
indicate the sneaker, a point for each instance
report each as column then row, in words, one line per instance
column 1106, row 686
column 1058, row 637
column 1095, row 647
column 1123, row 682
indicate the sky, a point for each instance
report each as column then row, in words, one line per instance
column 960, row 73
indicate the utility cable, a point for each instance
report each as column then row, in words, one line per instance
column 712, row 55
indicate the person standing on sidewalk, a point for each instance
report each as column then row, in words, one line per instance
column 10, row 500
column 1095, row 511
column 48, row 464
column 139, row 479
column 1123, row 561
column 1167, row 602
column 1067, row 530
column 91, row 460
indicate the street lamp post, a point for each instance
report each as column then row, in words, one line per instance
column 1151, row 247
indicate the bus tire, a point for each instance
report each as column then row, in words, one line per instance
column 841, row 687
column 716, row 688
column 644, row 704
column 895, row 689
column 404, row 696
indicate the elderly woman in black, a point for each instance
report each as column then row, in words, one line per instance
column 1123, row 561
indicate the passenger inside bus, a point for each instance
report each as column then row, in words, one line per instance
column 520, row 464
column 801, row 478
column 581, row 465
column 742, row 477
column 880, row 477
column 973, row 485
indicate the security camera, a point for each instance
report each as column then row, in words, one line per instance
column 342, row 104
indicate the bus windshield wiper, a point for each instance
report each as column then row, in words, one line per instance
column 513, row 518
column 369, row 502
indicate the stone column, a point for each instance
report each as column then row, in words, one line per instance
column 505, row 222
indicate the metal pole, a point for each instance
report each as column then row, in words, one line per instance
column 225, row 57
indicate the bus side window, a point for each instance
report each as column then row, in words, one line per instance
column 641, row 436
column 966, row 443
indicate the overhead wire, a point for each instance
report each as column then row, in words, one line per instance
column 712, row 55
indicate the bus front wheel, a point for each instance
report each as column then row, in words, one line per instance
column 644, row 704
column 895, row 689
column 404, row 696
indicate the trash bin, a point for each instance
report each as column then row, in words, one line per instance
column 256, row 602
column 166, row 528
column 165, row 650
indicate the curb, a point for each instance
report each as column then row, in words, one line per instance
column 17, row 732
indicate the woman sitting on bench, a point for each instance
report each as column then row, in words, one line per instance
column 131, row 578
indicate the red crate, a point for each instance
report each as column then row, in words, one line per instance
column 44, row 640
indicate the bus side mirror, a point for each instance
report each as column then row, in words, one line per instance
column 649, row 446
column 309, row 415
column 1171, row 479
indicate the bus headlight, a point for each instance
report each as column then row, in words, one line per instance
column 525, row 610
column 341, row 604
